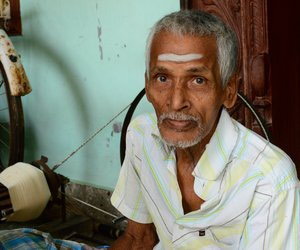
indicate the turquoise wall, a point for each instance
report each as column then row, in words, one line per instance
column 85, row 62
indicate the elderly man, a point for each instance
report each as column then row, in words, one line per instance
column 193, row 178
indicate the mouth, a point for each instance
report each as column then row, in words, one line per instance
column 179, row 125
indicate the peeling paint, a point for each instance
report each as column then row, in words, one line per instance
column 99, row 31
column 18, row 81
column 117, row 127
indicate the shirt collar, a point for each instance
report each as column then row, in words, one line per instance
column 154, row 128
column 217, row 152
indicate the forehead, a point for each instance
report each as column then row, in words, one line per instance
column 169, row 43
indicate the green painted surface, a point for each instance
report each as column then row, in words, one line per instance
column 85, row 62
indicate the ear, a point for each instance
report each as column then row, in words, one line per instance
column 230, row 93
column 147, row 87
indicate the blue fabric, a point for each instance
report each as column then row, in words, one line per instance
column 29, row 239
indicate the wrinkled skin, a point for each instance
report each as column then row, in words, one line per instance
column 193, row 87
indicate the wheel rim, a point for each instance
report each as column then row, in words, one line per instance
column 11, row 125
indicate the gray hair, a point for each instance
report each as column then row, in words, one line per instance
column 199, row 23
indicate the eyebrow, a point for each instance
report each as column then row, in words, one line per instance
column 200, row 69
column 159, row 69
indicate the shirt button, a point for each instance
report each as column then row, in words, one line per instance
column 181, row 227
column 201, row 233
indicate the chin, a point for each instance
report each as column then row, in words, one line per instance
column 182, row 142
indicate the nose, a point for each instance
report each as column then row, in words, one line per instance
column 178, row 100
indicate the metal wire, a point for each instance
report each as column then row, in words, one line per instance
column 89, row 205
column 256, row 116
column 89, row 139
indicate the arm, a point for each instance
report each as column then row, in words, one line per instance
column 137, row 236
column 128, row 198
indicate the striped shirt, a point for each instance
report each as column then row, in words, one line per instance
column 250, row 189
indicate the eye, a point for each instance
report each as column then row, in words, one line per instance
column 199, row 80
column 161, row 78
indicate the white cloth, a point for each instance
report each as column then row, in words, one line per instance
column 250, row 188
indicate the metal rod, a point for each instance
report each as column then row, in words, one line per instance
column 255, row 114
column 89, row 205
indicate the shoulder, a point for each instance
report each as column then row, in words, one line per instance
column 276, row 168
column 143, row 124
column 140, row 128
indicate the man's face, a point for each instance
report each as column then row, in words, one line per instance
column 184, row 87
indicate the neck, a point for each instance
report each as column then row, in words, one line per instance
column 191, row 155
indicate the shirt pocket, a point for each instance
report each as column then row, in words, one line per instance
column 229, row 233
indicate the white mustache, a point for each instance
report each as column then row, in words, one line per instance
column 179, row 116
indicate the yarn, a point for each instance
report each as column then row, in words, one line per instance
column 28, row 190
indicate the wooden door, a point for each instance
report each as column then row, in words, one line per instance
column 268, row 73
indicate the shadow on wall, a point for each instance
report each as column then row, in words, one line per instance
column 65, row 67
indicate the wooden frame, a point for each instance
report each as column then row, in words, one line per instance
column 13, row 26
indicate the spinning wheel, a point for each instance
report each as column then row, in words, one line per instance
column 13, row 85
column 11, row 125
